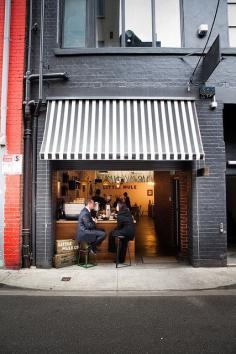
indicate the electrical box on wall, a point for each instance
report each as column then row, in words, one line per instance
column 207, row 91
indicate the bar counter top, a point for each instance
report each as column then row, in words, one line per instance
column 63, row 221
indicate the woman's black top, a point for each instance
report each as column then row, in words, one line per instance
column 125, row 224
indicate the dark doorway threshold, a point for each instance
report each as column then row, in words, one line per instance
column 148, row 248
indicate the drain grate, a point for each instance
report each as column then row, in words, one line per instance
column 65, row 278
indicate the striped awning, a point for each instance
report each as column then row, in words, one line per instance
column 121, row 129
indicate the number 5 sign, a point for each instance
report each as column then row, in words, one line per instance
column 12, row 164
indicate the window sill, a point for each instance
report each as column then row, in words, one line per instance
column 136, row 51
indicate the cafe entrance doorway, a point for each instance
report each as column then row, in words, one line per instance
column 161, row 231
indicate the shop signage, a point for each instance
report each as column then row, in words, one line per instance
column 12, row 164
column 120, row 186
column 125, row 177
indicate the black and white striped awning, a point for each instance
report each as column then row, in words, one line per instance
column 121, row 129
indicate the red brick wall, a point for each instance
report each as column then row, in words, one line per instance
column 184, row 191
column 12, row 211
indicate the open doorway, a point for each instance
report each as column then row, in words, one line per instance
column 231, row 218
column 158, row 234
column 230, row 147
column 161, row 216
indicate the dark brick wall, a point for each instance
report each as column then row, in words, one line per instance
column 44, row 212
column 207, row 245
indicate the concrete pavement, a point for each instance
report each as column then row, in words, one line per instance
column 106, row 278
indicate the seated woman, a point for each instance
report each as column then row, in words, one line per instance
column 125, row 227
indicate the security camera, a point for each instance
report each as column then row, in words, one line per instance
column 202, row 30
column 213, row 103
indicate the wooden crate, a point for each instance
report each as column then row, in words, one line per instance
column 65, row 259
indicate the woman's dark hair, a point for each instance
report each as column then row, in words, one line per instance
column 122, row 205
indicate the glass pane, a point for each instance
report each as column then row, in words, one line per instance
column 138, row 23
column 74, row 24
column 108, row 23
column 168, row 31
column 232, row 14
column 232, row 37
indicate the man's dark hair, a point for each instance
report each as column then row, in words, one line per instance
column 89, row 200
column 98, row 191
column 125, row 194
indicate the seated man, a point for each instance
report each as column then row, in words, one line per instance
column 87, row 231
column 125, row 227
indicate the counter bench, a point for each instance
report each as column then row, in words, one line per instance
column 66, row 229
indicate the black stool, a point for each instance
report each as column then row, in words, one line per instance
column 84, row 249
column 119, row 240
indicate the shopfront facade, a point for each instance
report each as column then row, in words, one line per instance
column 117, row 82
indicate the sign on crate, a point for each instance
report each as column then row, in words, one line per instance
column 66, row 246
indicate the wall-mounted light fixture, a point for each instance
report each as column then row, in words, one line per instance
column 203, row 172
column 213, row 104
column 202, row 30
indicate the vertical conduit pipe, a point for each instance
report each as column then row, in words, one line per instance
column 26, row 227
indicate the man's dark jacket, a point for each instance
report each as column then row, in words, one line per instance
column 86, row 226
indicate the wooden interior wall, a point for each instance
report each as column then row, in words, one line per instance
column 163, row 209
column 163, row 196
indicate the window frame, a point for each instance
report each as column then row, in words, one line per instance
column 230, row 26
column 90, row 35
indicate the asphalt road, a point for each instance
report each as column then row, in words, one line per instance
column 158, row 324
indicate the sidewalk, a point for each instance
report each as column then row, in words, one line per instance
column 106, row 278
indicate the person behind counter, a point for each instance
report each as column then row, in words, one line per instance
column 87, row 231
column 127, row 200
column 97, row 198
column 125, row 227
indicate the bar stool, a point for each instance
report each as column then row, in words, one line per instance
column 119, row 240
column 84, row 250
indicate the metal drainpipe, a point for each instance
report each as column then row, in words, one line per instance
column 4, row 95
column 26, row 227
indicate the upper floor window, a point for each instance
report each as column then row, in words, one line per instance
column 74, row 26
column 232, row 22
column 121, row 23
